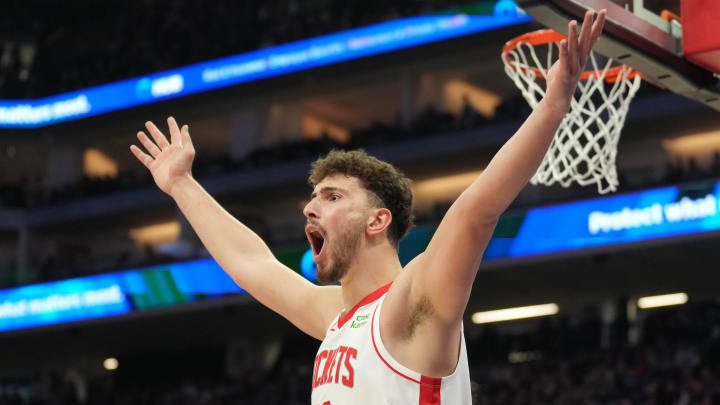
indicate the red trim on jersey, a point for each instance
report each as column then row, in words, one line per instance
column 372, row 335
column 430, row 390
column 370, row 298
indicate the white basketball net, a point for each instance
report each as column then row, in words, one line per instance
column 585, row 145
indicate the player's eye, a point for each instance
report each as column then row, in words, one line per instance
column 334, row 197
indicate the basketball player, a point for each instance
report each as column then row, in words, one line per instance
column 390, row 335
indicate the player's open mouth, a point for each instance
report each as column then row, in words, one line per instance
column 317, row 241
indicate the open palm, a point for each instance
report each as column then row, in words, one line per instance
column 168, row 163
column 564, row 74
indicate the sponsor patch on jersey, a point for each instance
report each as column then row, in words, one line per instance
column 359, row 321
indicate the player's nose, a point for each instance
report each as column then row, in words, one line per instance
column 310, row 211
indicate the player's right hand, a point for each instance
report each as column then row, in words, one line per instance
column 169, row 163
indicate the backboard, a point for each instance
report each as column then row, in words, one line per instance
column 646, row 35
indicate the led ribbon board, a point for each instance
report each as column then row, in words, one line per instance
column 256, row 65
column 113, row 294
column 625, row 218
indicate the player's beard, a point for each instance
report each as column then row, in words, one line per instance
column 344, row 249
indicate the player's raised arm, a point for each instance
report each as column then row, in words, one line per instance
column 448, row 267
column 238, row 250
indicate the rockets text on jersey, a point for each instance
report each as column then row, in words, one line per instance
column 325, row 371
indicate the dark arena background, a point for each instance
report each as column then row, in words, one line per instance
column 108, row 297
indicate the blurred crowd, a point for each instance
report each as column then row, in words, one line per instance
column 675, row 362
column 29, row 192
column 51, row 46
column 560, row 360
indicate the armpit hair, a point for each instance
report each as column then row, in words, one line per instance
column 422, row 309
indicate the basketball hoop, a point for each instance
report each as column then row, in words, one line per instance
column 584, row 148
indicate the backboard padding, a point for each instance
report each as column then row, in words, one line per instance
column 635, row 42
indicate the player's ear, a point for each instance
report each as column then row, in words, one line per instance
column 378, row 221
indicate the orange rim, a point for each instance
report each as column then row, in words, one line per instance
column 547, row 36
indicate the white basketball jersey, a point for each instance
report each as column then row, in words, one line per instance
column 352, row 366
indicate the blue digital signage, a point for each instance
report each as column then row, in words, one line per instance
column 62, row 301
column 625, row 218
column 113, row 294
column 256, row 65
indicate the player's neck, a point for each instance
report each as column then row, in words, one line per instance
column 372, row 268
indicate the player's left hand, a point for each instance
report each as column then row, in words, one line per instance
column 564, row 74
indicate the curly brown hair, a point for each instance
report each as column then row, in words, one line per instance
column 388, row 187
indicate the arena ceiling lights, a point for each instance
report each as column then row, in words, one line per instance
column 662, row 300
column 509, row 314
